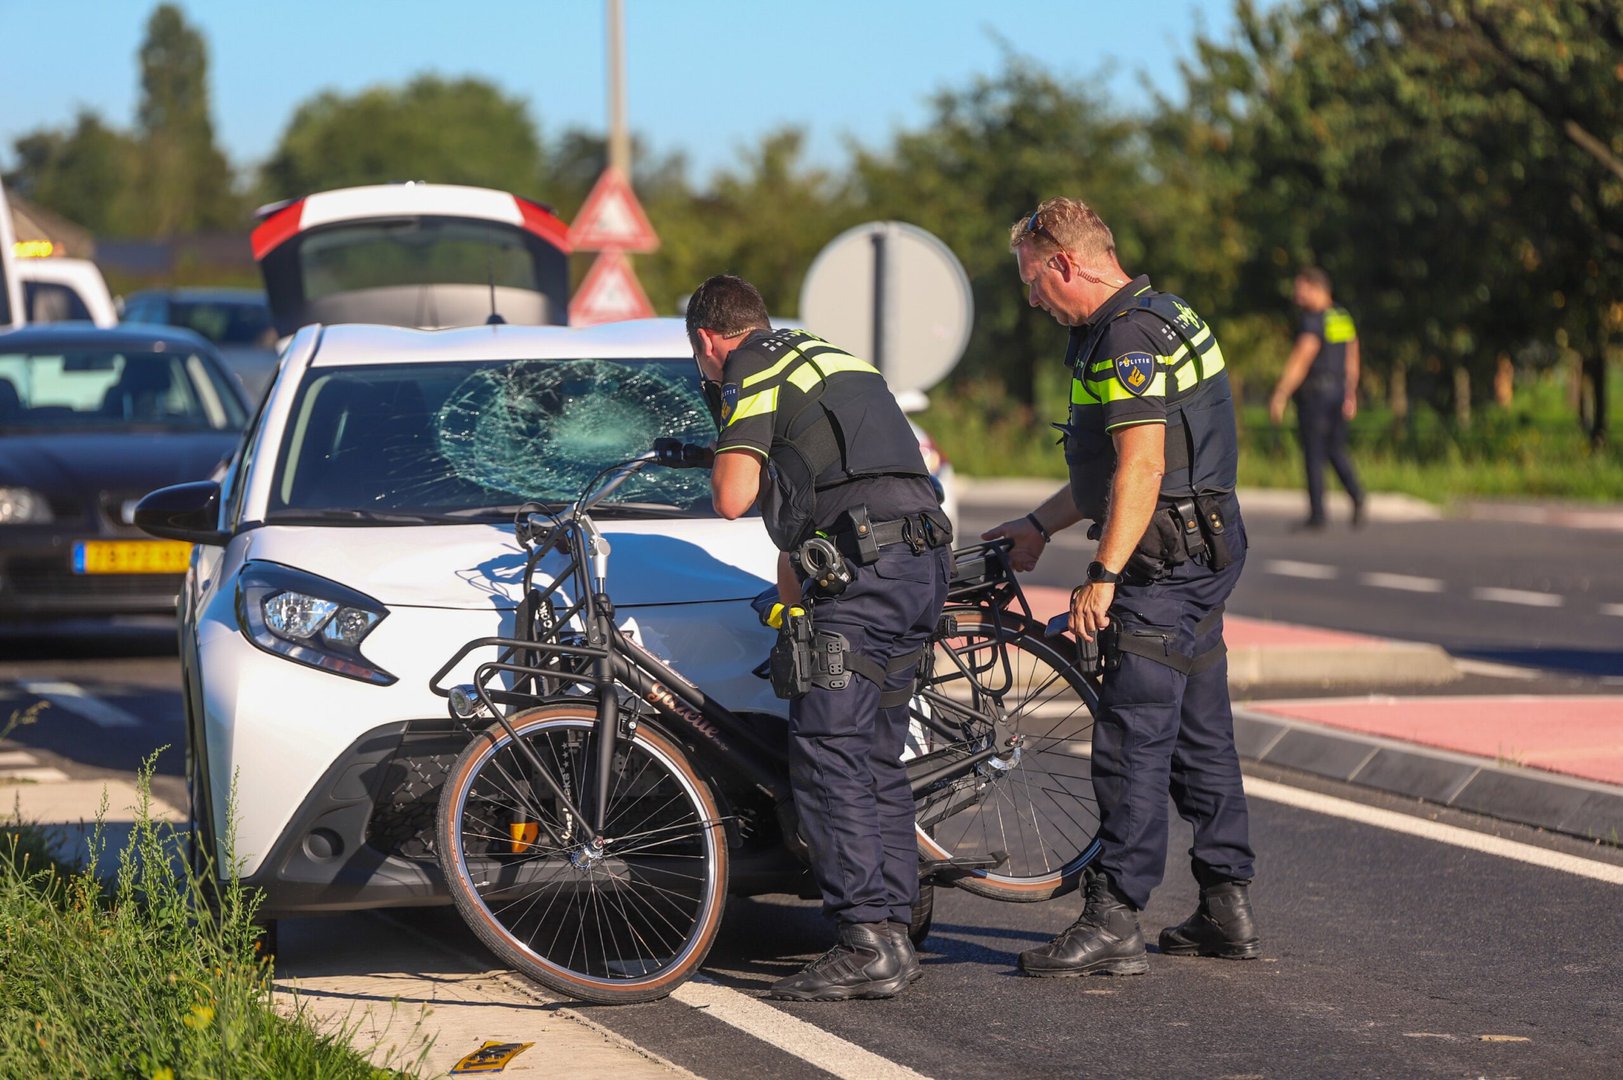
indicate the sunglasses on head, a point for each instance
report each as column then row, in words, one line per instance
column 1035, row 228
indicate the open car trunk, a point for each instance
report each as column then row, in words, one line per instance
column 415, row 255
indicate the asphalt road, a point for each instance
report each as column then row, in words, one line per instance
column 1385, row 954
column 1541, row 596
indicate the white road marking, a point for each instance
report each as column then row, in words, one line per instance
column 1518, row 596
column 1497, row 671
column 1405, row 582
column 1612, row 609
column 1433, row 830
column 1292, row 568
column 78, row 701
column 791, row 1034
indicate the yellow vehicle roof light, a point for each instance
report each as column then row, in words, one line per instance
column 33, row 249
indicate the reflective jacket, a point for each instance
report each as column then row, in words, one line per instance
column 820, row 417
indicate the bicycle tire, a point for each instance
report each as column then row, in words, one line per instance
column 1037, row 807
column 626, row 923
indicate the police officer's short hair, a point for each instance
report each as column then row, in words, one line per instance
column 1315, row 275
column 1063, row 223
column 727, row 305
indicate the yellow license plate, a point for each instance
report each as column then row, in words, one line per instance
column 131, row 557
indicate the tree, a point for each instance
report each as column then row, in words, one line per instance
column 462, row 131
column 184, row 181
column 992, row 152
column 85, row 174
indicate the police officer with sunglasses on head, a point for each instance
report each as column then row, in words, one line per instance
column 1151, row 450
column 814, row 435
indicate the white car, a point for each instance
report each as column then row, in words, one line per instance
column 372, row 501
column 57, row 289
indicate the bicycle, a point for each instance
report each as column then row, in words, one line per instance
column 604, row 806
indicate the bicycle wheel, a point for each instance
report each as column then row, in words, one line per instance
column 623, row 922
column 1033, row 806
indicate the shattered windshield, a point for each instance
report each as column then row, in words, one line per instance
column 461, row 437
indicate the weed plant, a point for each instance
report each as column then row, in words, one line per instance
column 135, row 977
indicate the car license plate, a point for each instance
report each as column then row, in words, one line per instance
column 131, row 556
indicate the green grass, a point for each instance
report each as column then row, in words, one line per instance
column 132, row 978
column 1533, row 450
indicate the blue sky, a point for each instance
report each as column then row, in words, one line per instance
column 703, row 78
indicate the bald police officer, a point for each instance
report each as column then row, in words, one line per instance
column 1151, row 451
column 815, row 436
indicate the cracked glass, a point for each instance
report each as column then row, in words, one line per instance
column 460, row 438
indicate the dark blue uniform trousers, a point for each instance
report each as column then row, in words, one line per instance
column 1160, row 731
column 1322, row 428
column 845, row 752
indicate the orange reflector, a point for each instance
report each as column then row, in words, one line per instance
column 524, row 834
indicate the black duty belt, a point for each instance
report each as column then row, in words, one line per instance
column 861, row 539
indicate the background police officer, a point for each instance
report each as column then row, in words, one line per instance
column 1321, row 376
column 814, row 434
column 1151, row 452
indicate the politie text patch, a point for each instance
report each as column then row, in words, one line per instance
column 729, row 401
column 1136, row 370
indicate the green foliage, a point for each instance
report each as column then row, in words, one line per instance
column 462, row 131
column 136, row 978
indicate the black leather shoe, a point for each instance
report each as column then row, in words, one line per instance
column 904, row 946
column 1105, row 941
column 865, row 963
column 1358, row 514
column 1221, row 926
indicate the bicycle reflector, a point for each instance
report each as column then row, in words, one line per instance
column 524, row 834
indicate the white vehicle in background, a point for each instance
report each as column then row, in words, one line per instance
column 413, row 254
column 57, row 289
column 363, row 534
column 11, row 293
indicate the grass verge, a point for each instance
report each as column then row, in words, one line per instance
column 133, row 977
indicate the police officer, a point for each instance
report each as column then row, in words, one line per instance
column 1321, row 376
column 815, row 436
column 1151, row 451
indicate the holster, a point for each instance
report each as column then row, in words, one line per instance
column 790, row 663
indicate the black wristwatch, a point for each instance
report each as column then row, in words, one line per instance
column 1098, row 573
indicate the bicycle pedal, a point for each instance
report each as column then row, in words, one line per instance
column 963, row 864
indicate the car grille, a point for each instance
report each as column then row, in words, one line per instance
column 49, row 578
column 407, row 796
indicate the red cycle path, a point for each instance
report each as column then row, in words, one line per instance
column 1578, row 736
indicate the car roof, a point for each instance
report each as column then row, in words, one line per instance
column 355, row 344
column 83, row 335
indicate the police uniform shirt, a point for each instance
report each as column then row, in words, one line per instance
column 760, row 387
column 1129, row 365
column 1333, row 328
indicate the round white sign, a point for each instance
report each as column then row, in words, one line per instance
column 894, row 294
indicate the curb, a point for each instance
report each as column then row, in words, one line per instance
column 1544, row 800
column 1389, row 664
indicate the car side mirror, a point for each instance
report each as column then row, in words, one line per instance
column 189, row 512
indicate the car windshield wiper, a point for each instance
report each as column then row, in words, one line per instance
column 295, row 516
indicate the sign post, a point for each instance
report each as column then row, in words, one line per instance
column 898, row 291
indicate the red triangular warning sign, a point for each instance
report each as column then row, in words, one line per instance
column 610, row 293
column 612, row 219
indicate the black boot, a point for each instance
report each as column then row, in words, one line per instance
column 1104, row 941
column 866, row 963
column 1221, row 926
column 904, row 945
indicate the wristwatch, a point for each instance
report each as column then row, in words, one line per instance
column 1098, row 573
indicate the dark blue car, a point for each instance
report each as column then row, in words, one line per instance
column 90, row 421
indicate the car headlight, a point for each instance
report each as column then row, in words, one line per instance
column 23, row 506
column 309, row 620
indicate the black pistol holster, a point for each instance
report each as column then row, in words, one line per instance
column 790, row 663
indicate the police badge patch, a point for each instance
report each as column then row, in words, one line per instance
column 1136, row 370
column 729, row 402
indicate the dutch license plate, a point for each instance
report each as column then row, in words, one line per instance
column 131, row 556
